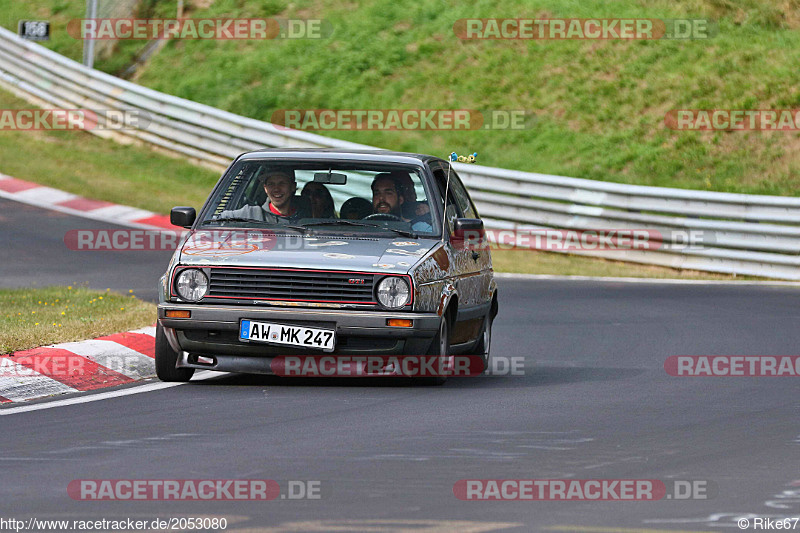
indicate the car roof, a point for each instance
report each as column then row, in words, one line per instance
column 323, row 154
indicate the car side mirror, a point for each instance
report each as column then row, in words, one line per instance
column 467, row 233
column 182, row 216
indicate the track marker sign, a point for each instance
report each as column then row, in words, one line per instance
column 34, row 30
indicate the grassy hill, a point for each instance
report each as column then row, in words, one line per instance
column 599, row 105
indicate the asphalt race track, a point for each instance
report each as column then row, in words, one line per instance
column 34, row 254
column 594, row 403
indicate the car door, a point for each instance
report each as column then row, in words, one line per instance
column 471, row 267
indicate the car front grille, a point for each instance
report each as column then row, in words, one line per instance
column 291, row 285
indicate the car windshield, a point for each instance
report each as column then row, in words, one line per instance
column 324, row 197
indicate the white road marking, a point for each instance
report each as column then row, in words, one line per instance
column 671, row 281
column 32, row 459
column 45, row 196
column 96, row 214
column 149, row 330
column 148, row 387
column 121, row 213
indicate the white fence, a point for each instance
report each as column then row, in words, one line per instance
column 737, row 233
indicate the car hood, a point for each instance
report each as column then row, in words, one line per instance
column 258, row 248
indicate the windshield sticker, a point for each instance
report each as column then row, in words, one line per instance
column 339, row 256
column 405, row 243
column 220, row 249
column 382, row 265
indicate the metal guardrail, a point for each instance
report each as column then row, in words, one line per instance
column 742, row 234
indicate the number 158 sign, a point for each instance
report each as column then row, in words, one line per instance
column 34, row 30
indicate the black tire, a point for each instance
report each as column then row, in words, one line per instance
column 440, row 347
column 484, row 344
column 167, row 358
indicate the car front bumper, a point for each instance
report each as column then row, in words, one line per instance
column 213, row 331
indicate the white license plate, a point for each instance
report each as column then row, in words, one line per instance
column 304, row 337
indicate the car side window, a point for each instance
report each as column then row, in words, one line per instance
column 233, row 196
column 441, row 183
column 452, row 209
column 461, row 196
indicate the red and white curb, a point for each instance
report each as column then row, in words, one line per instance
column 57, row 200
column 78, row 366
column 73, row 367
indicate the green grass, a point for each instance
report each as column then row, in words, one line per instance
column 599, row 105
column 81, row 163
column 60, row 12
column 36, row 317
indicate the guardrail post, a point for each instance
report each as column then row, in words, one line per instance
column 88, row 44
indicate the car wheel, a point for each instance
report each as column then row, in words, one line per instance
column 167, row 358
column 441, row 347
column 483, row 346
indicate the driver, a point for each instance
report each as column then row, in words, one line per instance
column 385, row 196
column 387, row 200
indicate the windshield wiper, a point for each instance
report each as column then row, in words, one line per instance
column 233, row 219
column 340, row 222
column 351, row 223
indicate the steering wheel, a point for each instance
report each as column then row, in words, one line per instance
column 383, row 216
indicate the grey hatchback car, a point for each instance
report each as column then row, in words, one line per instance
column 329, row 252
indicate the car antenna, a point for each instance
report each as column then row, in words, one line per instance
column 450, row 160
column 453, row 157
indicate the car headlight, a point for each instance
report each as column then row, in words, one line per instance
column 192, row 284
column 393, row 292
